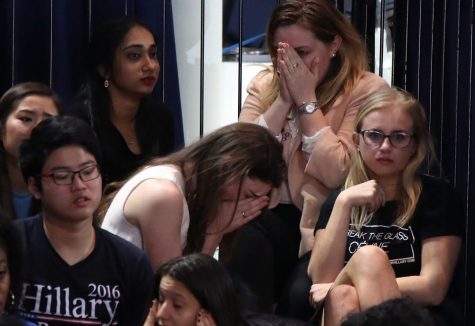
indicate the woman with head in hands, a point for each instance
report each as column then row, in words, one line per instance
column 195, row 199
column 308, row 99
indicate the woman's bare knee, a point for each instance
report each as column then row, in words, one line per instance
column 369, row 260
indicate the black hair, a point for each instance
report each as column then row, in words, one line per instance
column 10, row 242
column 395, row 312
column 105, row 40
column 210, row 284
column 8, row 103
column 51, row 134
column 154, row 122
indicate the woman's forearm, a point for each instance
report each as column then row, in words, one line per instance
column 330, row 244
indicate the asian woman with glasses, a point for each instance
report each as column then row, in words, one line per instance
column 390, row 231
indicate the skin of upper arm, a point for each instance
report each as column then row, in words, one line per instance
column 155, row 206
column 438, row 260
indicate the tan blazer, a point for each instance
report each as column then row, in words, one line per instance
column 311, row 180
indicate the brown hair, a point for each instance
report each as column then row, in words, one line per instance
column 326, row 22
column 226, row 155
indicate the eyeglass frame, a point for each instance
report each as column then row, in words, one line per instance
column 388, row 136
column 73, row 176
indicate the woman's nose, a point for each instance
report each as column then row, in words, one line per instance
column 386, row 144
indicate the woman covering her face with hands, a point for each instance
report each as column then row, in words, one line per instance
column 390, row 232
column 308, row 100
column 196, row 198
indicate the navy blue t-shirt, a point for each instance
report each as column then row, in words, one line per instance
column 112, row 286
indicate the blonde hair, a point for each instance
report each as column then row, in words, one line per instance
column 410, row 184
column 326, row 22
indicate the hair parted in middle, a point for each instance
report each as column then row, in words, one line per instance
column 209, row 282
column 359, row 173
column 325, row 21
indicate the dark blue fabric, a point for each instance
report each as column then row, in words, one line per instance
column 50, row 44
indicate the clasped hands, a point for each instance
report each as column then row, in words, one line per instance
column 297, row 81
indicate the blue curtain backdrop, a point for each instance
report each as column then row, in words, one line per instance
column 46, row 41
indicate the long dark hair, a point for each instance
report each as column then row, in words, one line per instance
column 8, row 103
column 227, row 155
column 155, row 136
column 10, row 242
column 210, row 284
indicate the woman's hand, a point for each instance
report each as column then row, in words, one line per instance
column 301, row 81
column 318, row 293
column 205, row 319
column 230, row 219
column 284, row 94
column 368, row 193
column 151, row 317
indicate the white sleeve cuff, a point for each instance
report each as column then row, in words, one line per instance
column 309, row 142
column 262, row 122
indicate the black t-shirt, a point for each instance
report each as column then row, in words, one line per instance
column 155, row 128
column 439, row 212
column 112, row 286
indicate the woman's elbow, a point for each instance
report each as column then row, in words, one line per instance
column 436, row 296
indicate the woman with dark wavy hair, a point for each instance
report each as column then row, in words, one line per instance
column 195, row 290
column 116, row 98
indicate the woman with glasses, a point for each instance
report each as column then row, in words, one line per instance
column 390, row 231
column 22, row 107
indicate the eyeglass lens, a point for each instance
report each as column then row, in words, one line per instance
column 397, row 139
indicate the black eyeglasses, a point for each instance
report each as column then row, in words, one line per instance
column 375, row 138
column 66, row 177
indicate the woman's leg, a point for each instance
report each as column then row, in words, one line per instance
column 372, row 277
column 265, row 254
column 340, row 301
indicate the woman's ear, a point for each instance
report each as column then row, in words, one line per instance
column 102, row 71
column 356, row 139
column 335, row 44
column 33, row 188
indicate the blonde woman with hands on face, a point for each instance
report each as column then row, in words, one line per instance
column 308, row 100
